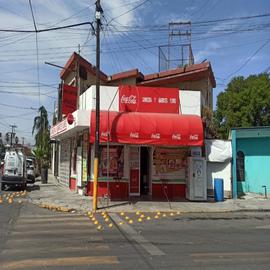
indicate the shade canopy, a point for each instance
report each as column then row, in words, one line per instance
column 148, row 128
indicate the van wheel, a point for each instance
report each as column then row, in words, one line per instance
column 3, row 186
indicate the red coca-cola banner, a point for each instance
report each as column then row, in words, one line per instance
column 134, row 98
column 69, row 99
column 148, row 128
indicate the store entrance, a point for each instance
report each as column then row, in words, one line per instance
column 144, row 170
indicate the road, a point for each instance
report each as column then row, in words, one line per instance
column 37, row 238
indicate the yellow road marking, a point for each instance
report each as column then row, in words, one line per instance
column 25, row 264
column 45, row 250
column 231, row 254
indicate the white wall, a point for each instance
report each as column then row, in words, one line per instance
column 190, row 102
column 86, row 100
column 109, row 98
column 219, row 170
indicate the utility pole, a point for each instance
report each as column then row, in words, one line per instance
column 22, row 141
column 99, row 11
column 12, row 132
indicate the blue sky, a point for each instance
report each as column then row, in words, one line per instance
column 128, row 41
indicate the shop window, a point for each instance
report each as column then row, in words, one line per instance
column 169, row 163
column 112, row 161
column 240, row 166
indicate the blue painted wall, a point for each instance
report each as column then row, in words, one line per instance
column 257, row 164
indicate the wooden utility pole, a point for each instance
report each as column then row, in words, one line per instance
column 99, row 11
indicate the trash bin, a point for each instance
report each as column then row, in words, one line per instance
column 218, row 189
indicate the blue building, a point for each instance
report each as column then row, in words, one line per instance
column 251, row 160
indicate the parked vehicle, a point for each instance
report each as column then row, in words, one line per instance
column 30, row 171
column 14, row 171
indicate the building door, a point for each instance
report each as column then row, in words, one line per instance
column 144, row 170
column 134, row 173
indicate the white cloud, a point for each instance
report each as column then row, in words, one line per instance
column 115, row 9
column 209, row 49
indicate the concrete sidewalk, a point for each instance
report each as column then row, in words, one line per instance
column 54, row 194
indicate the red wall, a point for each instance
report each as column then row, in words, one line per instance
column 118, row 190
column 174, row 191
column 72, row 183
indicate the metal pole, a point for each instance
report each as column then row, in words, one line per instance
column 96, row 159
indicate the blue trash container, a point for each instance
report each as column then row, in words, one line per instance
column 218, row 189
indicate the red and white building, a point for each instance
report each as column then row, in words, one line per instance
column 149, row 127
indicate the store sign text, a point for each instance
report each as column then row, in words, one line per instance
column 148, row 99
column 59, row 128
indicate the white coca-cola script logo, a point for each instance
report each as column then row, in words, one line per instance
column 194, row 137
column 134, row 135
column 155, row 136
column 105, row 134
column 128, row 99
column 176, row 137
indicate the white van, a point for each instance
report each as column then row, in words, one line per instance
column 14, row 172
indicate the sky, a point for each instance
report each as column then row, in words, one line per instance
column 132, row 31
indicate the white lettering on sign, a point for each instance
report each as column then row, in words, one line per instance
column 147, row 99
column 128, row 99
column 134, row 135
column 162, row 100
column 173, row 100
column 176, row 137
column 155, row 136
column 59, row 128
column 194, row 137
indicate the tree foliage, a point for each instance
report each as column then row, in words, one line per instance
column 42, row 137
column 244, row 103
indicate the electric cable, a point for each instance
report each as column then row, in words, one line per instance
column 248, row 59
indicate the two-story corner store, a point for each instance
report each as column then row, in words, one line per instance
column 149, row 126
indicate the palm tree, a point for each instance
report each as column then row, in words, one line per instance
column 42, row 136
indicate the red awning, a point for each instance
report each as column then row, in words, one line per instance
column 148, row 128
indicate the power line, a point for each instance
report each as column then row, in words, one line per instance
column 33, row 16
column 37, row 57
column 248, row 59
column 46, row 29
column 18, row 107
column 128, row 11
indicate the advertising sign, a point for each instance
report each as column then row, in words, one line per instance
column 134, row 181
column 134, row 164
column 169, row 163
column 113, row 161
column 134, row 98
column 69, row 99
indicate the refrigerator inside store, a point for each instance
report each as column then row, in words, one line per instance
column 196, row 186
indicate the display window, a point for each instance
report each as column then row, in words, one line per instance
column 169, row 163
column 112, row 161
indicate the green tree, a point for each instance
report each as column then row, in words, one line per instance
column 42, row 138
column 244, row 103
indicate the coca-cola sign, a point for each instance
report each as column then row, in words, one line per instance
column 134, row 98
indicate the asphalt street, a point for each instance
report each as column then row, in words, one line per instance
column 37, row 238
